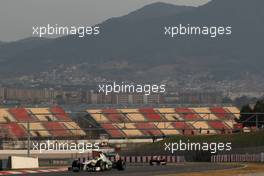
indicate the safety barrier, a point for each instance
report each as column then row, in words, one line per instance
column 237, row 158
column 143, row 159
column 18, row 162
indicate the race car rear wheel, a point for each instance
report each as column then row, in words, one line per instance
column 102, row 166
column 121, row 165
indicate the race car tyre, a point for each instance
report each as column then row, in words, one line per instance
column 107, row 167
column 102, row 166
column 121, row 165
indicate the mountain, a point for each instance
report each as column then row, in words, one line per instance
column 2, row 43
column 12, row 49
column 134, row 46
column 156, row 10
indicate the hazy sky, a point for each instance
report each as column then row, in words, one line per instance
column 18, row 16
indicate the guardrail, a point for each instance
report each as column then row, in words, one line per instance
column 238, row 158
column 143, row 159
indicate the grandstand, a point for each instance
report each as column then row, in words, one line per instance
column 130, row 130
column 5, row 116
column 39, row 122
column 150, row 114
column 118, row 123
column 42, row 114
column 160, row 122
column 36, row 129
column 132, row 114
column 14, row 130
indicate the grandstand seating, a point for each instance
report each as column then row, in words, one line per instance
column 42, row 114
column 234, row 110
column 187, row 113
column 120, row 123
column 167, row 128
column 203, row 127
column 60, row 114
column 57, row 129
column 98, row 116
column 133, row 115
column 15, row 130
column 5, row 116
column 44, row 122
column 147, row 122
column 130, row 130
column 219, row 112
column 169, row 113
column 205, row 113
column 218, row 126
column 113, row 130
column 74, row 128
column 233, row 113
column 148, row 129
column 36, row 129
column 20, row 114
column 150, row 114
column 229, row 123
column 113, row 115
column 184, row 128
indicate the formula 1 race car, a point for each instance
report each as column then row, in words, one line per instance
column 157, row 160
column 99, row 163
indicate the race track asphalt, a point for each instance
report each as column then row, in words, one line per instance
column 146, row 170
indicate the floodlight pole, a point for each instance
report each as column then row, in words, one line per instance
column 28, row 139
column 257, row 121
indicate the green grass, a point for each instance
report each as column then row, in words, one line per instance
column 253, row 139
column 238, row 140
